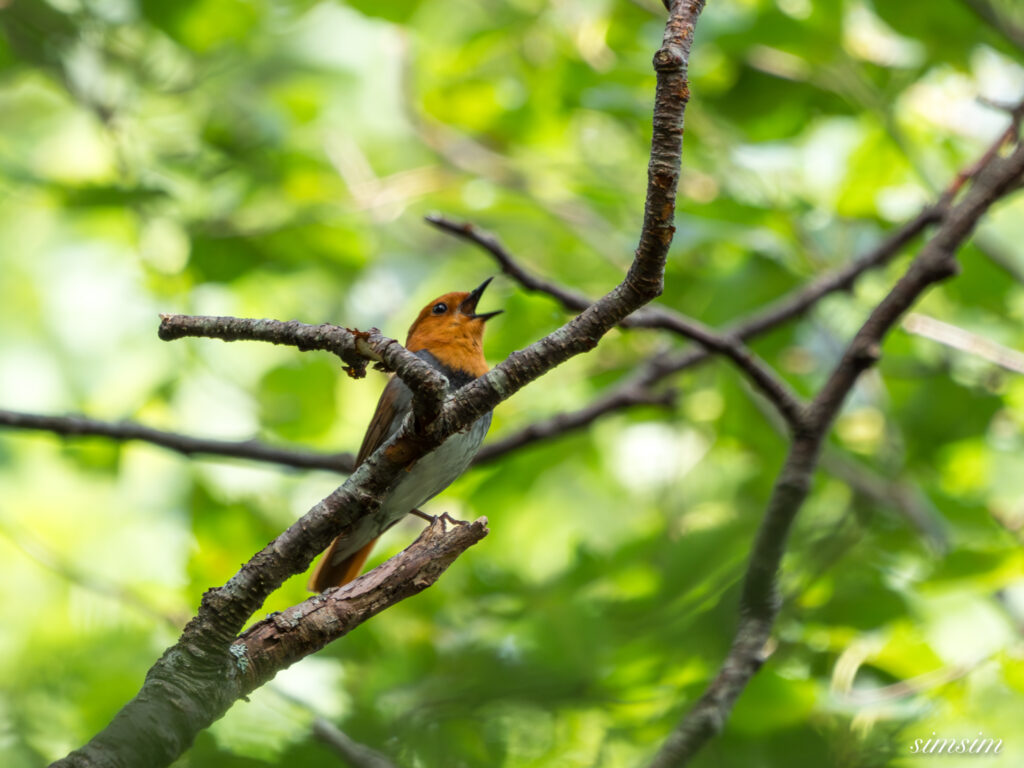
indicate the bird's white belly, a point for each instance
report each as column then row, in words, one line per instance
column 434, row 472
column 420, row 483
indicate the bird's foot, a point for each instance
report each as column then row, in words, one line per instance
column 424, row 515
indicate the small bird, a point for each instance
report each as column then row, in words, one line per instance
column 448, row 334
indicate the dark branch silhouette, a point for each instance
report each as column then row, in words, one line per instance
column 760, row 598
column 122, row 431
column 771, row 385
column 352, row 752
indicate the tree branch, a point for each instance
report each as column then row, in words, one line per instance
column 283, row 638
column 759, row 600
column 771, row 385
column 159, row 717
column 633, row 391
column 988, row 13
column 662, row 366
column 354, row 348
column 186, row 689
column 935, row 263
column 573, row 301
column 351, row 751
column 122, row 431
column 631, row 394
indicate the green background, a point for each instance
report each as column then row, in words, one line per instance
column 268, row 158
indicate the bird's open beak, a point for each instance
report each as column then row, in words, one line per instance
column 468, row 305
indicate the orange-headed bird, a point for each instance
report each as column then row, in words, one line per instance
column 448, row 334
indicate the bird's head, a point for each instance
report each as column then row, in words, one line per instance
column 450, row 328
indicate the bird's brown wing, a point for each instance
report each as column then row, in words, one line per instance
column 392, row 407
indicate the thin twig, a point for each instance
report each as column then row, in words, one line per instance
column 254, row 450
column 355, row 754
column 351, row 751
column 617, row 399
column 354, row 348
column 574, row 301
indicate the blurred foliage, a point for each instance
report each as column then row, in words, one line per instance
column 273, row 158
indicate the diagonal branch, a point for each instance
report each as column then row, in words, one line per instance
column 935, row 262
column 185, row 690
column 771, row 385
column 760, row 599
column 80, row 426
column 573, row 301
column 632, row 392
column 283, row 638
column 660, row 367
column 348, row 749
column 987, row 12
column 760, row 322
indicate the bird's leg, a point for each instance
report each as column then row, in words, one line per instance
column 424, row 515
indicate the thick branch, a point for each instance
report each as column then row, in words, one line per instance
column 280, row 640
column 80, row 426
column 185, row 690
column 159, row 723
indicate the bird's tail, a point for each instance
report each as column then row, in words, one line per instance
column 328, row 574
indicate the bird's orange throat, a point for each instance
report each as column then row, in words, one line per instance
column 461, row 350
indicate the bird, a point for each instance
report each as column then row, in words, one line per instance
column 448, row 334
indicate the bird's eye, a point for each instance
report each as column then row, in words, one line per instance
column 440, row 308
